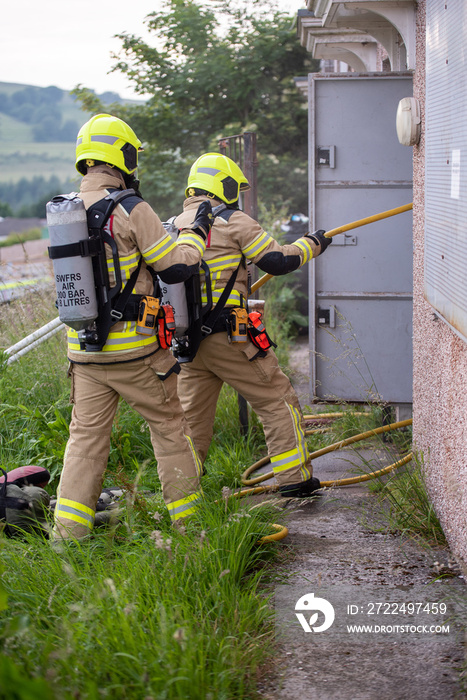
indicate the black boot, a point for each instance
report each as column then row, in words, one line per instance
column 302, row 490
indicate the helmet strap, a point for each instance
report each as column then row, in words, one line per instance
column 196, row 192
column 131, row 182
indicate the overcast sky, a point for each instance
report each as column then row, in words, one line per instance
column 61, row 43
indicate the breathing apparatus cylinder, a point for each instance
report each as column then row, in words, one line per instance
column 175, row 294
column 72, row 263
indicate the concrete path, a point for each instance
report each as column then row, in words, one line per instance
column 383, row 584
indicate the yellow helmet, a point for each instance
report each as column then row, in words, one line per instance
column 110, row 140
column 218, row 175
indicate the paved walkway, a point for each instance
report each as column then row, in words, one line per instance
column 371, row 577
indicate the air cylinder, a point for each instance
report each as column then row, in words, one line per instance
column 73, row 271
column 175, row 294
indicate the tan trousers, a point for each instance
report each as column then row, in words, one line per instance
column 266, row 388
column 95, row 393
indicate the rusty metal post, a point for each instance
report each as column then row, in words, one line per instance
column 250, row 165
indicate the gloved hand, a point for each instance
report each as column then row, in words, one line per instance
column 320, row 239
column 203, row 220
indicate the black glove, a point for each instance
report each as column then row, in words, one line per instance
column 203, row 220
column 320, row 239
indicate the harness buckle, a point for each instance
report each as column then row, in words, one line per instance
column 206, row 330
column 116, row 315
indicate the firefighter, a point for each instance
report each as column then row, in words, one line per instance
column 252, row 371
column 129, row 365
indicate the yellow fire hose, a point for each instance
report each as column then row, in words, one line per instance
column 281, row 530
column 347, row 227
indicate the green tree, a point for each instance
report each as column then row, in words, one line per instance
column 211, row 72
column 5, row 209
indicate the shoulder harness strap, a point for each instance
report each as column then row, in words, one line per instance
column 111, row 300
column 210, row 320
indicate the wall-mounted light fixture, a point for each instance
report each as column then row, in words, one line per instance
column 408, row 121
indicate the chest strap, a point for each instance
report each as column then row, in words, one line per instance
column 210, row 320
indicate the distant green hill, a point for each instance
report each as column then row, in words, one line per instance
column 38, row 128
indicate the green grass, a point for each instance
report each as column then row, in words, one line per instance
column 405, row 506
column 138, row 610
column 141, row 612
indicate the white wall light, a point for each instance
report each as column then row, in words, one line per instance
column 408, row 121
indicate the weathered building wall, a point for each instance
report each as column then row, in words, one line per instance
column 440, row 365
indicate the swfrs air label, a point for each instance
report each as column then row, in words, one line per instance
column 70, row 291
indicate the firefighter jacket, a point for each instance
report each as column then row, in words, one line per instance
column 235, row 236
column 138, row 232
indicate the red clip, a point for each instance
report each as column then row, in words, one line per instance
column 166, row 325
column 257, row 331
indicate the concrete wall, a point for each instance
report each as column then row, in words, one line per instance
column 440, row 367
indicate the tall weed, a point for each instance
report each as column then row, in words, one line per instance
column 139, row 609
column 406, row 506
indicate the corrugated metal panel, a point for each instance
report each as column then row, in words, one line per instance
column 446, row 162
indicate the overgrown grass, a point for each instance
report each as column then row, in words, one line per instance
column 143, row 613
column 138, row 610
column 401, row 500
column 405, row 506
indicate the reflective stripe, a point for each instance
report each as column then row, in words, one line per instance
column 127, row 339
column 235, row 298
column 128, row 263
column 162, row 247
column 184, row 506
column 226, row 262
column 257, row 245
column 208, row 171
column 286, row 460
column 306, row 248
column 124, row 211
column 197, row 461
column 72, row 510
column 105, row 138
column 301, row 442
column 297, row 457
column 192, row 239
column 121, row 341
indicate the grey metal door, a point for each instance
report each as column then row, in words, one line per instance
column 360, row 290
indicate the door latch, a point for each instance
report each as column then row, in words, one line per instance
column 326, row 317
column 344, row 239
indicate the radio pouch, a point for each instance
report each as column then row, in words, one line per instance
column 257, row 332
